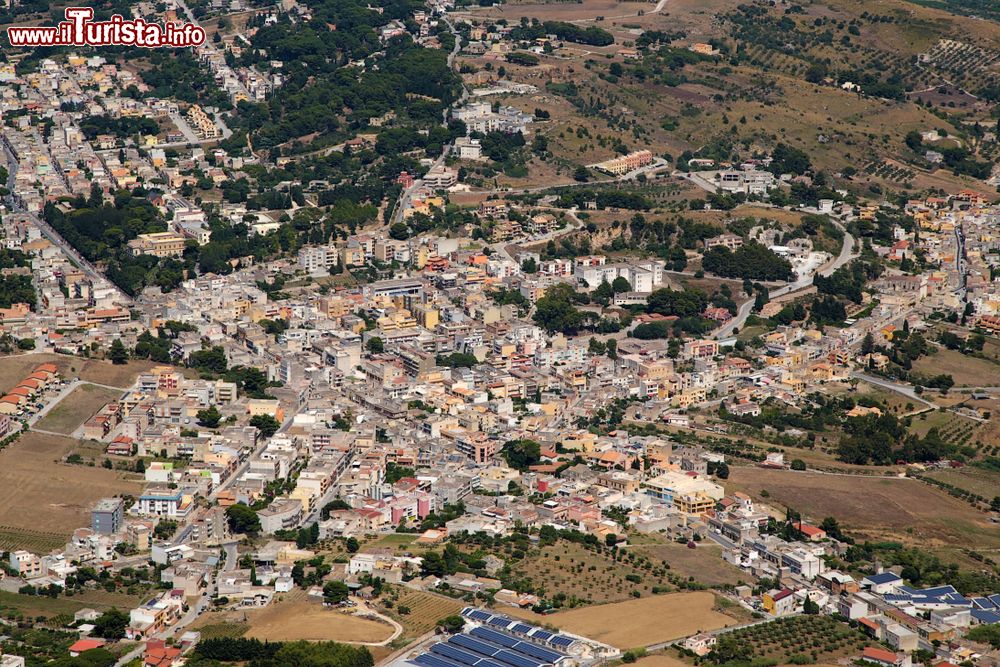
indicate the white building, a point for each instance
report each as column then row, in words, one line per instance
column 318, row 258
column 469, row 149
column 750, row 182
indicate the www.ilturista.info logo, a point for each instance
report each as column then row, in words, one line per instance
column 79, row 29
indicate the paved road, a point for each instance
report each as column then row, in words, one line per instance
column 209, row 46
column 847, row 253
column 904, row 389
column 407, row 194
column 193, row 612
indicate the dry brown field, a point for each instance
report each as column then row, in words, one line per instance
column 72, row 411
column 14, row 368
column 704, row 564
column 878, row 507
column 965, row 370
column 43, row 500
column 660, row 660
column 651, row 620
column 297, row 617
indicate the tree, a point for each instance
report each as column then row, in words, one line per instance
column 209, row 417
column 581, row 174
column 867, row 344
column 620, row 285
column 242, row 519
column 521, row 454
column 399, row 231
column 451, row 624
column 352, row 545
column 809, row 607
column 375, row 345
column 604, row 292
column 111, row 625
column 730, row 649
column 722, row 470
column 266, row 424
column 118, row 354
column 986, row 633
column 556, row 312
column 995, row 504
column 596, row 347
column 335, row 592
column 798, row 464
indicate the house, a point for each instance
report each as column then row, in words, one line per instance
column 779, row 603
column 158, row 654
column 701, row 643
column 884, row 658
column 85, row 645
column 812, row 533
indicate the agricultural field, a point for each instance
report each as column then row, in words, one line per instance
column 583, row 577
column 818, row 638
column 952, row 427
column 652, row 620
column 101, row 599
column 223, row 630
column 703, row 565
column 980, row 481
column 876, row 507
column 38, row 605
column 71, row 412
column 37, row 490
column 296, row 617
column 426, row 609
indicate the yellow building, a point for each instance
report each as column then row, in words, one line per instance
column 158, row 244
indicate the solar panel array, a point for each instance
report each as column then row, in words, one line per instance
column 499, row 642
column 519, row 628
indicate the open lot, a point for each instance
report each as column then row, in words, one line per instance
column 876, row 507
column 42, row 499
column 651, row 620
column 704, row 564
column 297, row 617
column 81, row 404
column 14, row 368
column 966, row 370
